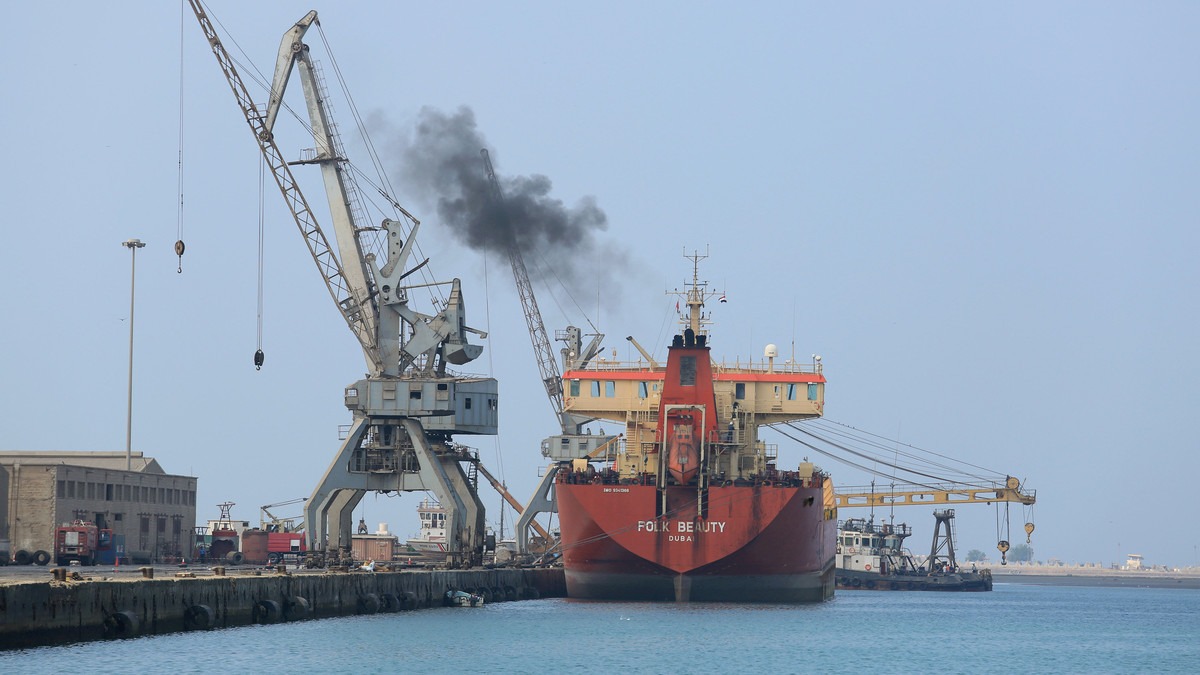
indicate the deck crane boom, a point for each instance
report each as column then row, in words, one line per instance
column 914, row 495
column 408, row 406
column 1012, row 491
column 981, row 490
column 571, row 444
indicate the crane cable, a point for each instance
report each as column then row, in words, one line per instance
column 487, row 318
column 259, row 357
column 179, row 213
column 437, row 295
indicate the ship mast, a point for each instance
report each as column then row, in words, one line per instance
column 694, row 297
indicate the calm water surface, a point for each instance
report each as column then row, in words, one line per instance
column 1016, row 628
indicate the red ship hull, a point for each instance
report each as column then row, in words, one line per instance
column 754, row 544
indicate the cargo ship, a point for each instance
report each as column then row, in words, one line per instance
column 689, row 504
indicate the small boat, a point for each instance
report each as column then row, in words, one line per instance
column 463, row 599
column 428, row 546
column 872, row 557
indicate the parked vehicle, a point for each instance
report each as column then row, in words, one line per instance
column 80, row 541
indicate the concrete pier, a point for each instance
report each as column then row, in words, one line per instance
column 81, row 608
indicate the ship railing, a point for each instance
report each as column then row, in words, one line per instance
column 786, row 366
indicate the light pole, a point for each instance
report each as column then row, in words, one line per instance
column 133, row 245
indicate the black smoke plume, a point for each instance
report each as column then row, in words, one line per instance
column 442, row 164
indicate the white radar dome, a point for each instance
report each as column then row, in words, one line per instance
column 771, row 351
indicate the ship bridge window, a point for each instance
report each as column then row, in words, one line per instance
column 574, row 387
column 791, row 392
column 687, row 371
column 643, row 390
column 610, row 388
column 739, row 391
column 812, row 391
column 595, row 388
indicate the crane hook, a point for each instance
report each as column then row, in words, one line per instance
column 179, row 252
column 258, row 359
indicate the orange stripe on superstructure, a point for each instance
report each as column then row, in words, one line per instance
column 652, row 376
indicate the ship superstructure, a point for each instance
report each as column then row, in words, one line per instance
column 689, row 503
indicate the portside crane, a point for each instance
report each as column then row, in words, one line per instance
column 571, row 444
column 408, row 406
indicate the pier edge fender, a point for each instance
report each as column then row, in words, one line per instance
column 368, row 603
column 267, row 611
column 198, row 617
column 122, row 624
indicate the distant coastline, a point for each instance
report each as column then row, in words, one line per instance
column 1074, row 575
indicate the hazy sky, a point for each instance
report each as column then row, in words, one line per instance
column 983, row 218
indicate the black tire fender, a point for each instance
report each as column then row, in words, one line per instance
column 297, row 608
column 408, row 600
column 368, row 603
column 198, row 617
column 388, row 602
column 267, row 611
column 122, row 625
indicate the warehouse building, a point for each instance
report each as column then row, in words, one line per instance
column 151, row 513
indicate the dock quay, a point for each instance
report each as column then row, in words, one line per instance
column 76, row 606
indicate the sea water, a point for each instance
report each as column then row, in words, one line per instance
column 1015, row 628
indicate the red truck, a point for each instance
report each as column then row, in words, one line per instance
column 80, row 541
column 281, row 545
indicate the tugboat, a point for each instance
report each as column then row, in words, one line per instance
column 872, row 557
column 690, row 504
